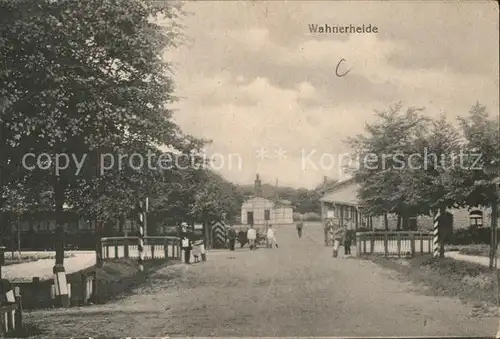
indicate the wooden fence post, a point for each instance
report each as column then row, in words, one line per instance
column 412, row 243
column 372, row 244
column 421, row 243
column 83, row 280
column 398, row 237
column 95, row 286
column 19, row 310
column 107, row 250
column 126, row 249
column 116, row 249
column 386, row 249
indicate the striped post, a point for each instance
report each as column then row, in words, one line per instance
column 140, row 237
column 435, row 237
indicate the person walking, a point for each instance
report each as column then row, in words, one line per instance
column 251, row 236
column 231, row 234
column 338, row 237
column 186, row 242
column 348, row 240
column 271, row 236
column 300, row 225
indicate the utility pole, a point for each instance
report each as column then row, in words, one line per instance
column 19, row 236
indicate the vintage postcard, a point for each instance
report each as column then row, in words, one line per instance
column 249, row 169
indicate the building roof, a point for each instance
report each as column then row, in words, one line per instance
column 345, row 192
column 326, row 185
column 257, row 201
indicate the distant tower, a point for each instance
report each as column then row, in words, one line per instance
column 258, row 187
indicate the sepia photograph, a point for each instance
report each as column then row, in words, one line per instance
column 249, row 169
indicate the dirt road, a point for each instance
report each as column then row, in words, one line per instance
column 295, row 290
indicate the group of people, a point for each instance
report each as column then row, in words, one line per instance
column 189, row 246
column 251, row 237
column 341, row 236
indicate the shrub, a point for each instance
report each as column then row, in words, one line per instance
column 470, row 236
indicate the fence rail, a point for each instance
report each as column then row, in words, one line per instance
column 11, row 314
column 400, row 244
column 155, row 247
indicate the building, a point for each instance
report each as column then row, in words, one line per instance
column 340, row 201
column 258, row 210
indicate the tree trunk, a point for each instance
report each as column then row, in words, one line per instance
column 493, row 241
column 19, row 236
column 99, row 225
column 386, row 222
column 398, row 227
column 59, row 215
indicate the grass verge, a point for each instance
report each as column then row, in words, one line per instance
column 120, row 276
column 448, row 277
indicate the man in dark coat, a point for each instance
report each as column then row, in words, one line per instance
column 242, row 238
column 300, row 225
column 231, row 234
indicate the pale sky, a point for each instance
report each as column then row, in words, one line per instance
column 252, row 76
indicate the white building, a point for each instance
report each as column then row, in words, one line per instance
column 257, row 210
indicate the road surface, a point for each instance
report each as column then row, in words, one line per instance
column 42, row 268
column 295, row 290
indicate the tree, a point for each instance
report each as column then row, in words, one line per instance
column 85, row 77
column 427, row 179
column 471, row 186
column 383, row 153
column 215, row 198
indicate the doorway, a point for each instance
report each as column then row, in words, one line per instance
column 250, row 218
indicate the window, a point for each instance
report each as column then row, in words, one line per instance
column 476, row 218
column 266, row 215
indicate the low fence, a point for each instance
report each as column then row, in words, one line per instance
column 11, row 315
column 400, row 244
column 155, row 247
column 41, row 293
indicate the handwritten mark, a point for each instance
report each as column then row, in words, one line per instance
column 337, row 69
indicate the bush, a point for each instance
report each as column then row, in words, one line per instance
column 312, row 216
column 470, row 236
column 309, row 216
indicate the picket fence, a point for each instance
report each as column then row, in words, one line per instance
column 391, row 243
column 155, row 247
